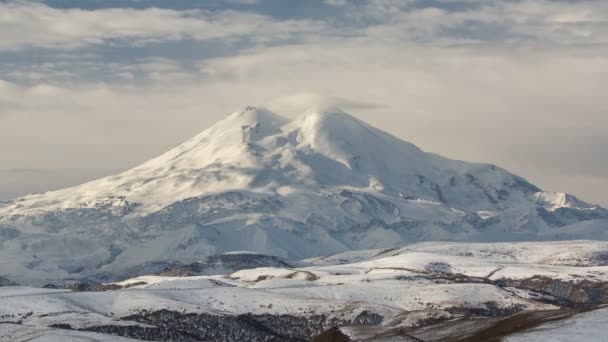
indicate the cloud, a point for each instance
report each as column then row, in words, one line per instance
column 336, row 2
column 532, row 21
column 297, row 103
column 518, row 83
column 26, row 24
column 21, row 170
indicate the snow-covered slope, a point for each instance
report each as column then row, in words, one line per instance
column 588, row 327
column 322, row 183
column 28, row 333
column 379, row 293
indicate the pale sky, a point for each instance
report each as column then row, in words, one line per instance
column 92, row 87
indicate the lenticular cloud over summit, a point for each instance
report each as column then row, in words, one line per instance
column 322, row 183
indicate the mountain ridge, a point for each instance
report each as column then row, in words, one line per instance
column 322, row 183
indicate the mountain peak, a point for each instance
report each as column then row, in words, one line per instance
column 331, row 124
column 253, row 114
column 556, row 200
column 325, row 115
column 254, row 123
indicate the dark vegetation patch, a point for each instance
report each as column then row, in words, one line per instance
column 176, row 326
column 219, row 264
column 489, row 309
column 332, row 335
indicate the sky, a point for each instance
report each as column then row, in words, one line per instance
column 90, row 87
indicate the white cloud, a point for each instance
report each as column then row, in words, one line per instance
column 336, row 2
column 557, row 22
column 526, row 92
column 27, row 24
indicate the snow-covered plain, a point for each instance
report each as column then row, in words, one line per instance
column 389, row 288
column 322, row 183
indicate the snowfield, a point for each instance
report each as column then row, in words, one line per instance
column 386, row 289
column 323, row 183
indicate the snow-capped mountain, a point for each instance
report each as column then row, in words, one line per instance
column 323, row 183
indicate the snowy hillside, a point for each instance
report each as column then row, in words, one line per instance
column 589, row 327
column 322, row 183
column 427, row 291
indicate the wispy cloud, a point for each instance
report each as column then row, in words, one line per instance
column 21, row 170
column 531, row 21
column 29, row 24
column 24, row 25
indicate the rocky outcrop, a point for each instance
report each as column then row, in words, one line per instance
column 224, row 263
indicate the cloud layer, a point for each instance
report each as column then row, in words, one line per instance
column 30, row 24
column 26, row 25
column 516, row 83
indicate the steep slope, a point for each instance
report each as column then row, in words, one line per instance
column 325, row 182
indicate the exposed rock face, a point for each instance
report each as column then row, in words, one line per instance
column 582, row 293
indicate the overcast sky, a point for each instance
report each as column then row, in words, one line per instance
column 92, row 87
